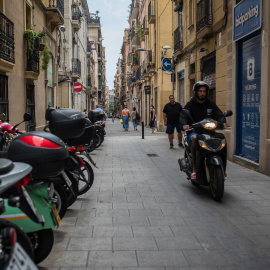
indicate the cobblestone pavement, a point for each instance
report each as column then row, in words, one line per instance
column 142, row 214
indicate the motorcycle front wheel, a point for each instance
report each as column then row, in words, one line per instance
column 85, row 185
column 42, row 242
column 74, row 186
column 61, row 200
column 217, row 183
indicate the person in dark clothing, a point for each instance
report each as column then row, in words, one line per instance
column 200, row 107
column 171, row 116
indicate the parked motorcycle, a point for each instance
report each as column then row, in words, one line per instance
column 65, row 186
column 211, row 155
column 61, row 122
column 12, row 254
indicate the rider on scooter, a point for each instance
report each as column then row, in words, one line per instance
column 200, row 107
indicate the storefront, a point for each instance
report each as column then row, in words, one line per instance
column 247, row 36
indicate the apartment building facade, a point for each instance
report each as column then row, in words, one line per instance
column 28, row 69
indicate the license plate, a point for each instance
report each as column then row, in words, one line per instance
column 67, row 179
column 56, row 214
column 20, row 260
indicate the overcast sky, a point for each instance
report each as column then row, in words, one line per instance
column 114, row 16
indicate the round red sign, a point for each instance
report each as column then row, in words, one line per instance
column 78, row 87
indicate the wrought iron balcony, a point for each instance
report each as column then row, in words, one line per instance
column 145, row 26
column 32, row 56
column 204, row 14
column 76, row 68
column 152, row 11
column 138, row 74
column 134, row 10
column 6, row 39
column 94, row 19
column 54, row 10
column 76, row 17
column 178, row 39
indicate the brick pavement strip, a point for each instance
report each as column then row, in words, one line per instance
column 142, row 214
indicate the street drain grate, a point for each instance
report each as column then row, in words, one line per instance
column 152, row 155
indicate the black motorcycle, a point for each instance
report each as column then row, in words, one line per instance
column 211, row 154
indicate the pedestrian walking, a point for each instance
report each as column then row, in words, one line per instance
column 152, row 118
column 125, row 118
column 113, row 116
column 171, row 116
column 134, row 117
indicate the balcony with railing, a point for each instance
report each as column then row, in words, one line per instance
column 138, row 74
column 145, row 26
column 204, row 16
column 54, row 10
column 76, row 17
column 32, row 60
column 134, row 9
column 151, row 61
column 76, row 68
column 178, row 40
column 7, row 58
column 94, row 19
column 145, row 73
column 152, row 11
column 135, row 61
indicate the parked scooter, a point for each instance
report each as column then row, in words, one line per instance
column 65, row 186
column 211, row 155
column 16, row 254
column 12, row 254
column 61, row 123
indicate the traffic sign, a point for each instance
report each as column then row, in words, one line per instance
column 101, row 103
column 166, row 63
column 78, row 87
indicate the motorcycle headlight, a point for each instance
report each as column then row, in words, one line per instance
column 210, row 125
column 209, row 148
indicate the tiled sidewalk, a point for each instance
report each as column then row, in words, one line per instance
column 142, row 214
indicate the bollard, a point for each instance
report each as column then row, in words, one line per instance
column 142, row 130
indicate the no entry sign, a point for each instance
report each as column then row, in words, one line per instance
column 78, row 87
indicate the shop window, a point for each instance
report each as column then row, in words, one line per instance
column 4, row 95
column 30, row 106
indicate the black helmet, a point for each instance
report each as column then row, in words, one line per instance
column 198, row 85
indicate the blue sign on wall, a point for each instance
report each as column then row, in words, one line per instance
column 249, row 97
column 247, row 18
column 166, row 64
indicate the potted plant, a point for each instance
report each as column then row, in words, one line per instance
column 46, row 57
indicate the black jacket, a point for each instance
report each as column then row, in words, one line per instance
column 200, row 111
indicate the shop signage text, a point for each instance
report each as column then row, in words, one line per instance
column 247, row 18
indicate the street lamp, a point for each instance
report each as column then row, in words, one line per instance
column 164, row 49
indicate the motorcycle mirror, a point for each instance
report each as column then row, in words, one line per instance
column 228, row 113
column 187, row 114
column 3, row 117
column 27, row 117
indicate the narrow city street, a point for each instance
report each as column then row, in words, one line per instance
column 143, row 214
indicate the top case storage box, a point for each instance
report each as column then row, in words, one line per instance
column 66, row 123
column 85, row 138
column 45, row 152
column 95, row 115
